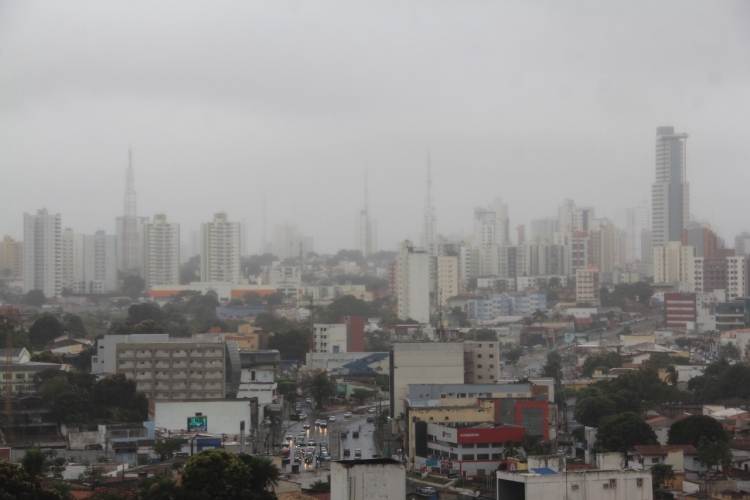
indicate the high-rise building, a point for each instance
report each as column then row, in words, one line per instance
column 447, row 278
column 670, row 194
column 742, row 244
column 413, row 283
column 366, row 228
column 543, row 230
column 602, row 242
column 674, row 263
column 429, row 224
column 11, row 258
column 72, row 258
column 703, row 239
column 220, row 250
column 468, row 263
column 587, row 285
column 289, row 242
column 99, row 264
column 485, row 228
column 128, row 227
column 638, row 219
column 502, row 221
column 42, row 236
column 160, row 252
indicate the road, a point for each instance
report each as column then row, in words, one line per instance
column 365, row 442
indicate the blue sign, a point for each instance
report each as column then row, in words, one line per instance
column 569, row 337
column 432, row 463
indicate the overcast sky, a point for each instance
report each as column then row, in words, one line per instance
column 532, row 102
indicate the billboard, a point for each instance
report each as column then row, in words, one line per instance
column 197, row 424
column 569, row 337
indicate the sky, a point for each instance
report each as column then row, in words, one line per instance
column 220, row 102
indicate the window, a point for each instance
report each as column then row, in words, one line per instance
column 491, row 367
column 467, row 457
column 483, row 456
column 483, row 445
column 497, row 456
column 454, row 456
column 479, row 376
column 479, row 366
column 467, row 445
column 492, row 355
column 479, row 355
column 655, row 460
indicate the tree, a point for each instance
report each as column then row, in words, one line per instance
column 253, row 299
column 16, row 484
column 510, row 449
column 591, row 410
column 513, row 353
column 74, row 325
column 82, row 362
column 287, row 387
column 346, row 305
column 321, row 387
column 144, row 312
column 660, row 474
column 539, row 316
column 160, row 488
column 621, row 432
column 606, row 360
column 293, row 344
column 730, row 351
column 481, row 334
column 217, row 474
column 265, row 474
column 45, row 329
column 714, row 453
column 166, row 448
column 189, row 271
column 47, row 357
column 672, row 375
column 553, row 367
column 691, row 429
column 361, row 394
column 33, row 463
column 34, row 298
column 377, row 341
column 132, row 286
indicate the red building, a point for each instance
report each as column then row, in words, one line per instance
column 679, row 310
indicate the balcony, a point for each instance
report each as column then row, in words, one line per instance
column 124, row 354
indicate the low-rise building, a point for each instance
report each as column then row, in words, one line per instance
column 382, row 478
column 348, row 335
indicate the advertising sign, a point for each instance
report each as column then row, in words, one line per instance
column 431, row 462
column 569, row 337
column 197, row 424
column 446, row 465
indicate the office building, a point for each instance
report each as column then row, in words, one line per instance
column 11, row 258
column 42, row 235
column 160, row 253
column 637, row 220
column 413, row 283
column 670, row 194
column 680, row 311
column 220, row 250
column 348, row 335
column 703, row 239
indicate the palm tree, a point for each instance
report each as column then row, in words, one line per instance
column 557, row 316
column 265, row 473
column 510, row 449
column 539, row 316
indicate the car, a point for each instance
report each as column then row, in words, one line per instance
column 311, row 444
column 323, row 449
column 332, row 418
column 348, row 415
column 323, row 424
column 370, row 420
column 288, row 437
column 308, row 400
column 426, row 490
column 308, row 458
column 325, row 457
column 305, row 425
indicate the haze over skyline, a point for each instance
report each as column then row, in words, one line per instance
column 529, row 102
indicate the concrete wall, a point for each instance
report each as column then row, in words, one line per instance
column 224, row 416
column 576, row 485
column 360, row 480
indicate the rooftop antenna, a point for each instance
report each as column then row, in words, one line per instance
column 263, row 241
column 429, row 180
column 129, row 222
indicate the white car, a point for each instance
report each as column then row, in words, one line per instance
column 305, row 425
column 371, row 410
column 348, row 415
column 332, row 418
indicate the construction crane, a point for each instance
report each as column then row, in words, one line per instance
column 11, row 319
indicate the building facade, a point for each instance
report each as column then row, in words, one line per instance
column 220, row 250
column 160, row 253
column 670, row 194
column 11, row 257
column 587, row 285
column 42, row 235
column 413, row 283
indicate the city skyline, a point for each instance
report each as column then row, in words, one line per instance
column 547, row 105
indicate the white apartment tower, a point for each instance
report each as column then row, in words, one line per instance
column 674, row 263
column 447, row 278
column 160, row 252
column 72, row 258
column 99, row 264
column 413, row 271
column 42, row 235
column 485, row 228
column 638, row 219
column 220, row 250
column 502, row 221
column 429, row 225
column 670, row 194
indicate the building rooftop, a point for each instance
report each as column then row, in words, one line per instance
column 687, row 449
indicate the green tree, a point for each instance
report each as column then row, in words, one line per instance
column 321, row 387
column 16, row 484
column 160, row 488
column 287, row 387
column 82, row 362
column 714, row 453
column 361, row 394
column 133, row 286
column 253, row 299
column 607, row 360
column 691, row 429
column 481, row 334
column 63, row 488
column 377, row 341
column 592, row 409
column 621, row 432
column 74, row 325
column 45, row 329
column 265, row 475
column 144, row 312
column 513, row 353
column 539, row 316
column 346, row 305
column 553, row 367
column 47, row 357
column 672, row 375
column 217, row 474
column 33, row 463
column 730, row 351
column 34, row 298
column 189, row 271
column 660, row 474
column 510, row 449
column 293, row 344
column 166, row 448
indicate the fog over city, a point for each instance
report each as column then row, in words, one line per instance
column 531, row 102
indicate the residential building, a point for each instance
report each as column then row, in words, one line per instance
column 11, row 258
column 733, row 315
column 447, row 278
column 42, row 261
column 346, row 336
column 289, row 242
column 380, row 478
column 577, row 484
column 502, row 222
column 543, row 230
column 742, row 244
column 413, row 283
column 468, row 263
column 587, row 285
column 638, row 220
column 485, row 228
column 709, row 274
column 105, row 360
column 419, row 363
column 738, row 277
column 673, row 263
column 497, row 305
column 703, row 239
column 670, row 194
column 220, row 250
column 23, row 371
column 682, row 457
column 680, row 311
column 481, row 363
column 258, row 375
column 99, row 264
column 602, row 240
column 160, row 253
column 72, row 258
column 580, row 250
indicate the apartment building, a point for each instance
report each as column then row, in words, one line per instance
column 447, row 278
column 220, row 250
column 587, row 285
column 160, row 253
column 348, row 335
column 481, row 364
column 680, row 310
column 42, row 253
column 413, row 283
column 11, row 257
